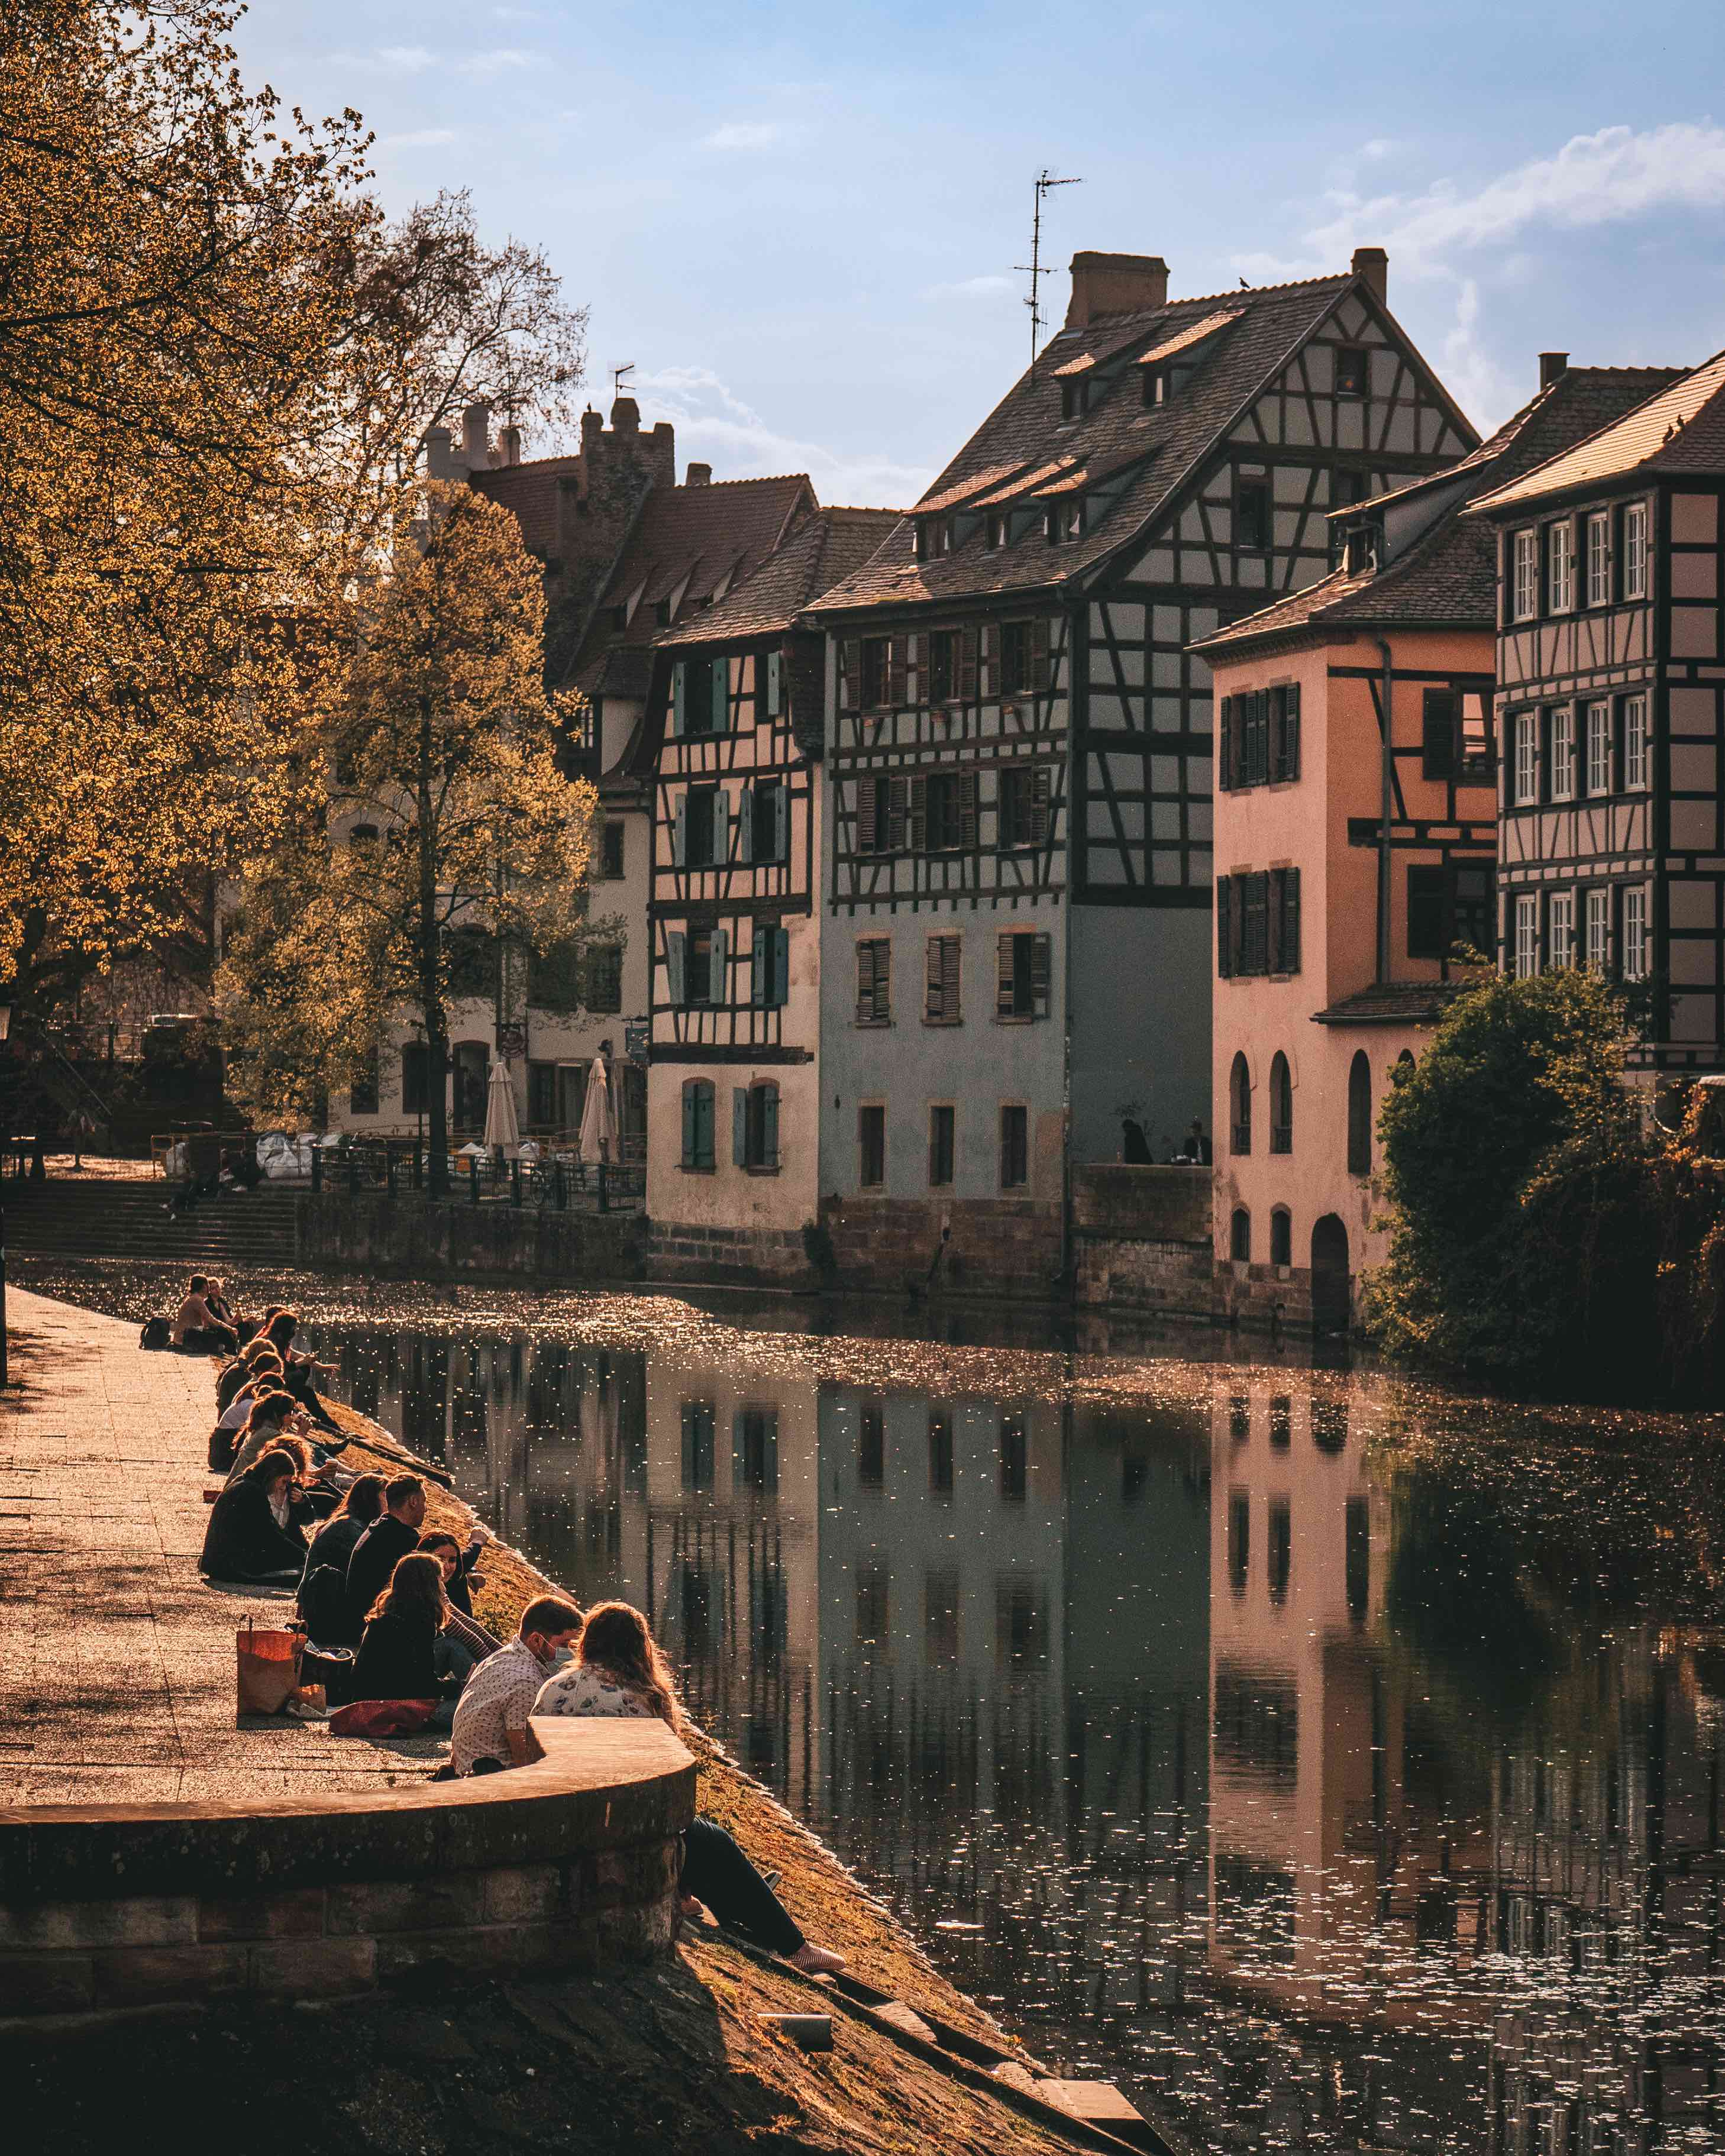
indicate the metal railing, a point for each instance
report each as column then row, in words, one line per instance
column 559, row 1180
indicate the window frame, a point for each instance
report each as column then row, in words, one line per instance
column 1359, row 1114
column 1524, row 577
column 1597, row 564
column 1281, row 1236
column 1560, row 930
column 945, row 643
column 1524, row 759
column 1636, row 529
column 1637, row 927
column 1240, row 1107
column 1259, row 485
column 942, row 1144
column 1560, row 752
column 873, row 653
column 871, row 1144
column 1525, row 935
column 1014, row 1150
column 1560, row 566
column 1598, row 759
column 1637, row 743
column 936, row 982
column 1359, row 359
column 694, row 1091
column 1596, row 928
column 1032, row 995
column 1282, row 1104
column 761, row 1154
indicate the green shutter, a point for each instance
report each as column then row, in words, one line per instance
column 722, row 696
column 719, row 990
column 739, row 1127
column 760, row 978
column 690, row 1127
column 680, row 718
column 774, row 683
column 781, row 967
column 746, row 825
column 769, row 1125
column 679, row 837
column 781, row 822
column 674, row 947
column 1224, row 931
column 721, row 827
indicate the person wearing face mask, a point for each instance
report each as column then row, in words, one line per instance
column 491, row 1730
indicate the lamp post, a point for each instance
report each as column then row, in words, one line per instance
column 5, row 1032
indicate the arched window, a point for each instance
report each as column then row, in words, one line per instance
column 1240, row 1107
column 697, row 1122
column 1281, row 1237
column 754, row 1126
column 1359, row 1116
column 1281, row 1105
column 1240, row 1236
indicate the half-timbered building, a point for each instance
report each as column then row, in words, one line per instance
column 1019, row 865
column 1610, row 674
column 731, row 750
column 1356, row 848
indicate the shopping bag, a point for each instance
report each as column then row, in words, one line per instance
column 269, row 1669
column 382, row 1717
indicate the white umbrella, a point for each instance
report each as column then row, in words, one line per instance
column 501, row 1128
column 598, row 1126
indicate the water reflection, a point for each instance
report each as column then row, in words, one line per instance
column 1336, row 1766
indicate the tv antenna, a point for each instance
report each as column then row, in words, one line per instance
column 1045, row 180
column 616, row 375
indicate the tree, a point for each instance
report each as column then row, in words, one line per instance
column 1518, row 1172
column 433, row 805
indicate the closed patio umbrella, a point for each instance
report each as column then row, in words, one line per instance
column 501, row 1129
column 598, row 1126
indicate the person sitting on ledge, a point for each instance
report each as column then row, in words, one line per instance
column 300, row 1369
column 323, row 1586
column 234, row 1374
column 458, row 1562
column 252, row 1537
column 490, row 1729
column 619, row 1670
column 271, row 1412
column 222, row 1310
column 396, row 1657
column 196, row 1327
column 393, row 1535
column 266, row 1378
column 464, row 1642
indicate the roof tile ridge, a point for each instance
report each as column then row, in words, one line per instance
column 757, row 479
column 1243, row 293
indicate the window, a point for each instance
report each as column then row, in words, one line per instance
column 1281, row 1105
column 701, row 836
column 700, row 697
column 362, row 1093
column 871, row 1447
column 1597, row 950
column 879, row 815
column 1014, row 1456
column 698, row 962
column 940, row 1451
column 754, row 1450
column 875, row 671
column 611, row 851
column 1473, row 906
column 943, row 665
column 1240, row 1236
column 1476, row 737
column 940, row 1618
column 941, row 983
column 767, row 821
column 1015, row 1146
column 542, row 1096
column 1634, row 551
column 662, row 612
column 1021, row 807
column 948, row 810
column 1281, row 1423
column 697, row 1123
column 941, row 1119
column 1599, row 559
column 1014, row 658
column 874, row 1598
column 1525, row 546
column 1527, row 944
column 874, row 981
column 1239, row 1106
column 1281, row 1237
column 1598, row 748
column 1260, row 736
column 754, row 1126
column 1526, row 767
column 415, row 1079
column 998, row 529
column 770, row 976
column 1251, row 513
column 1439, row 733
column 1359, row 1115
column 1450, row 903
column 1258, row 923
column 1635, row 959
column 1563, row 753
column 1559, row 566
column 603, row 970
column 1350, row 370
column 1022, row 960
column 698, row 1418
column 1560, row 928
column 1636, row 773
column 871, row 1146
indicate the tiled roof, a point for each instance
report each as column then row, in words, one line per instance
column 1655, row 437
column 1449, row 577
column 726, row 525
column 1169, row 440
column 1393, row 1002
column 530, row 490
column 824, row 547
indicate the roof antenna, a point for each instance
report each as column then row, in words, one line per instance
column 1044, row 181
column 616, row 375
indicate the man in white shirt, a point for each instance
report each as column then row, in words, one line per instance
column 490, row 1729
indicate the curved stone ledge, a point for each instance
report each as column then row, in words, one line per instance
column 560, row 1865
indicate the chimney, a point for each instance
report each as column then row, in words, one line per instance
column 439, row 456
column 477, row 435
column 626, row 416
column 1115, row 285
column 1551, row 365
column 1371, row 265
column 511, row 445
column 700, row 476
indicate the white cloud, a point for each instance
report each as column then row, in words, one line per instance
column 751, row 135
column 422, row 138
column 716, row 426
column 972, row 288
column 416, row 59
column 493, row 63
column 405, row 59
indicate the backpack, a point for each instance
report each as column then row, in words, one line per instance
column 222, row 1450
column 156, row 1333
column 323, row 1603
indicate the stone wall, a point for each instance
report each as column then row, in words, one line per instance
column 679, row 1250
column 1264, row 1298
column 993, row 1246
column 565, row 1864
column 1142, row 1240
column 417, row 1240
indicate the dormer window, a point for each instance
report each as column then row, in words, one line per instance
column 1063, row 521
column 997, row 531
column 662, row 612
column 1162, row 384
column 1359, row 552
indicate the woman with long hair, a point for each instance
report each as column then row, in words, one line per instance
column 252, row 1534
column 300, row 1368
column 464, row 1641
column 396, row 1657
column 619, row 1670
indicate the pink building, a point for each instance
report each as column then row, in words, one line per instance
column 1352, row 869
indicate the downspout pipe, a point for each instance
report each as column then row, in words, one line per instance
column 1386, row 812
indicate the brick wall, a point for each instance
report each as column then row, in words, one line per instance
column 419, row 1240
column 1142, row 1239
column 995, row 1246
column 768, row 1257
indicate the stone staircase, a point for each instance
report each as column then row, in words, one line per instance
column 114, row 1219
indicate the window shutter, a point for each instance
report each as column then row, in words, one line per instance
column 919, row 815
column 849, row 673
column 721, row 692
column 1438, row 731
column 769, row 1125
column 988, row 659
column 721, row 827
column 1272, row 925
column 967, row 809
column 690, row 1134
column 1224, row 937
column 674, row 947
column 1041, row 957
column 965, row 669
column 897, row 792
column 775, row 684
column 867, row 791
column 680, row 718
column 781, row 967
column 1290, row 920
column 747, row 809
column 933, row 977
column 718, row 971
column 781, row 822
column 1224, row 769
column 1040, row 789
column 864, row 983
column 1038, row 653
column 739, row 1127
column 705, row 1096
column 1002, row 976
column 1291, row 734
column 896, row 659
column 951, row 952
column 760, row 962
column 680, row 834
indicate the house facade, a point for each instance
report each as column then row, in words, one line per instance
column 1019, row 852
column 731, row 753
column 1611, row 668
column 1354, row 860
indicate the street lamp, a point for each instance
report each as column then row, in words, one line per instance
column 5, row 1031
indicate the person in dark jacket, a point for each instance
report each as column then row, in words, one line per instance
column 457, row 1563
column 298, row 1369
column 393, row 1535
column 397, row 1655
column 251, row 1534
column 324, row 1606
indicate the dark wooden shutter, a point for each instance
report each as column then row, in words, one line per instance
column 1224, row 931
column 739, row 1127
column 989, row 650
column 1290, row 920
column 689, row 1121
column 770, row 1125
column 781, row 967
column 1041, row 962
column 1290, row 736
column 1225, row 760
column 933, row 983
column 919, row 815
column 897, row 657
column 897, row 795
column 1038, row 653
column 760, row 976
column 864, row 983
column 1004, row 1000
column 1039, row 791
column 964, row 660
column 1272, row 925
column 866, row 791
column 967, row 796
column 1439, row 727
column 849, row 673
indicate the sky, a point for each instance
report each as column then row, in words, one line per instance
column 804, row 225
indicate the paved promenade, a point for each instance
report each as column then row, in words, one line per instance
column 116, row 1659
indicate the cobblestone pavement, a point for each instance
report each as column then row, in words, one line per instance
column 117, row 1658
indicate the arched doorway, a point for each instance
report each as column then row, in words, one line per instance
column 1331, row 1302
